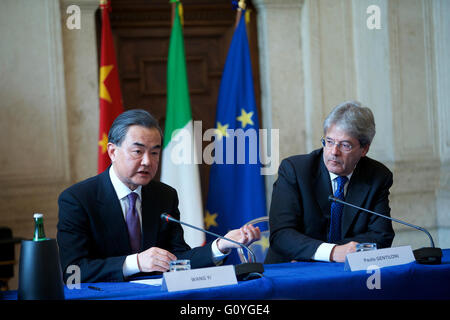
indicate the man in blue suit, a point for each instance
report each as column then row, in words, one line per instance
column 109, row 225
column 304, row 225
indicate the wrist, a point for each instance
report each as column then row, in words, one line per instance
column 332, row 254
column 139, row 265
column 221, row 249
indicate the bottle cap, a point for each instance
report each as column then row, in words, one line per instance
column 38, row 215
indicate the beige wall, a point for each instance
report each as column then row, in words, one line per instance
column 313, row 55
column 48, row 109
column 400, row 71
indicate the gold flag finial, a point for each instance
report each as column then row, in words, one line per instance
column 181, row 14
column 247, row 15
column 180, row 10
column 104, row 4
column 241, row 5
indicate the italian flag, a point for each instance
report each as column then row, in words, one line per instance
column 178, row 135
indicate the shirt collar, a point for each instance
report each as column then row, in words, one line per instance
column 121, row 189
column 334, row 176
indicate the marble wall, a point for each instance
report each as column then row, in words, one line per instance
column 399, row 70
column 48, row 109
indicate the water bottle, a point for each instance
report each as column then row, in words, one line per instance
column 39, row 233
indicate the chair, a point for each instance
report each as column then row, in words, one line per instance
column 261, row 246
column 7, row 259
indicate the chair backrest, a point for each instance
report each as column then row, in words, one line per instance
column 6, row 257
column 261, row 246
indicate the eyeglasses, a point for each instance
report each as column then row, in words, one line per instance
column 342, row 146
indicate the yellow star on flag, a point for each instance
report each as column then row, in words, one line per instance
column 221, row 130
column 104, row 72
column 263, row 242
column 210, row 219
column 245, row 118
column 104, row 143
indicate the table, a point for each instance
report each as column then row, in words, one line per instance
column 300, row 281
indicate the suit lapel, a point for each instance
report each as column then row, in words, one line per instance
column 322, row 188
column 111, row 214
column 150, row 215
column 357, row 191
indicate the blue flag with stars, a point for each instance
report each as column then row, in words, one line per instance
column 236, row 186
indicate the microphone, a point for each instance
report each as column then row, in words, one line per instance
column 244, row 271
column 427, row 255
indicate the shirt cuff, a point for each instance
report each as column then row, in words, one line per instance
column 130, row 266
column 323, row 252
column 217, row 255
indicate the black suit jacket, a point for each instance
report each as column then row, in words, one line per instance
column 300, row 210
column 92, row 231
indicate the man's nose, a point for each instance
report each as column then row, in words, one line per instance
column 145, row 161
column 335, row 148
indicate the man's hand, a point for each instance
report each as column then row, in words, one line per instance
column 155, row 259
column 339, row 252
column 245, row 235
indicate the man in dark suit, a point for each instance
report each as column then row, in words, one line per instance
column 304, row 225
column 109, row 225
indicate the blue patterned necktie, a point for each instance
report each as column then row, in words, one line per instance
column 133, row 223
column 336, row 211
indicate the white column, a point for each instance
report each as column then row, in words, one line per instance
column 81, row 79
column 371, row 52
column 328, row 62
column 441, row 27
column 34, row 162
column 279, row 38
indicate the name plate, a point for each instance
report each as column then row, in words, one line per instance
column 380, row 258
column 199, row 278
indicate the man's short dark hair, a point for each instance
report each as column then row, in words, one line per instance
column 133, row 117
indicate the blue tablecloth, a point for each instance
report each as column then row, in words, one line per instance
column 300, row 280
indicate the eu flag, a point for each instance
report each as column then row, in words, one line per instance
column 236, row 187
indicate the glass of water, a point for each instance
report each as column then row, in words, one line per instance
column 180, row 265
column 368, row 246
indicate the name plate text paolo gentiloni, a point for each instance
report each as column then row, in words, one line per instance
column 199, row 278
column 381, row 258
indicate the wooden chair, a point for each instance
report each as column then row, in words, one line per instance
column 261, row 246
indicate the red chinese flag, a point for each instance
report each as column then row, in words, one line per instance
column 109, row 86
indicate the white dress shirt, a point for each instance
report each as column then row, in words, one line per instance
column 130, row 265
column 323, row 252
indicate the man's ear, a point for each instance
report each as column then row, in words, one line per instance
column 112, row 149
column 365, row 150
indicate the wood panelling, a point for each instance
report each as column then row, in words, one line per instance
column 141, row 32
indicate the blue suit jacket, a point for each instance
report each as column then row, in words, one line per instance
column 300, row 210
column 92, row 231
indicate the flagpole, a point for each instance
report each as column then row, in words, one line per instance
column 180, row 11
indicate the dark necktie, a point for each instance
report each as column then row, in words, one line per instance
column 336, row 211
column 133, row 224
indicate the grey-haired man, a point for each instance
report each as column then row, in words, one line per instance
column 304, row 225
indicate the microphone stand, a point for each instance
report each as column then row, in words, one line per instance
column 244, row 271
column 426, row 255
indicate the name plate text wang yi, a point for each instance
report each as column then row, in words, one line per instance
column 199, row 278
